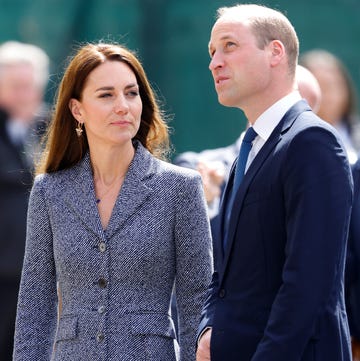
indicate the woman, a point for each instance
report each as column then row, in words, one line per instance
column 338, row 97
column 114, row 227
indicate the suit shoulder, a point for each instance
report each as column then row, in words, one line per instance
column 309, row 128
column 42, row 180
column 47, row 181
column 312, row 141
column 310, row 121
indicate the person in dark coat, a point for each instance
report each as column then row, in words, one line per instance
column 23, row 77
column 277, row 292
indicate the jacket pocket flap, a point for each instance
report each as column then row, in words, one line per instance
column 67, row 328
column 152, row 324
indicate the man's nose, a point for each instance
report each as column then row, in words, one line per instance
column 216, row 62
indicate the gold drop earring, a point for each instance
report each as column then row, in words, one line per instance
column 79, row 129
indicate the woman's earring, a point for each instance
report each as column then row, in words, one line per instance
column 79, row 129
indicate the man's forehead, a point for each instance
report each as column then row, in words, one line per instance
column 220, row 38
column 225, row 30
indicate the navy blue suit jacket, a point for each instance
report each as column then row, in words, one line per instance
column 277, row 291
column 352, row 274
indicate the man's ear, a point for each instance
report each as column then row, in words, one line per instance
column 75, row 108
column 277, row 50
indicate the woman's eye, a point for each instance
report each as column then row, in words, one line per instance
column 105, row 95
column 133, row 93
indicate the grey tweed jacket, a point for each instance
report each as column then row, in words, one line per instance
column 115, row 283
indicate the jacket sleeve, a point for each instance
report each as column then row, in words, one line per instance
column 352, row 270
column 194, row 263
column 37, row 303
column 317, row 188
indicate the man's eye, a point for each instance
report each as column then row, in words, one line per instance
column 229, row 44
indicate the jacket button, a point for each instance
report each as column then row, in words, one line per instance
column 102, row 282
column 100, row 337
column 101, row 309
column 222, row 293
column 102, row 247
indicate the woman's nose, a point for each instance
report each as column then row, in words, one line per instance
column 121, row 105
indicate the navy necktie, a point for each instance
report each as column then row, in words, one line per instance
column 243, row 156
column 239, row 174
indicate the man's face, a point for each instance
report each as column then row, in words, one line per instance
column 20, row 96
column 238, row 66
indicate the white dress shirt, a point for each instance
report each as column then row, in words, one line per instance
column 267, row 122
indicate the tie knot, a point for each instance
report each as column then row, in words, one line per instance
column 249, row 135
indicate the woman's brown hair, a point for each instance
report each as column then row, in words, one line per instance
column 63, row 147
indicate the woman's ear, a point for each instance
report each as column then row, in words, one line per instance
column 75, row 108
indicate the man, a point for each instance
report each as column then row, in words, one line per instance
column 23, row 77
column 277, row 291
column 214, row 165
column 309, row 87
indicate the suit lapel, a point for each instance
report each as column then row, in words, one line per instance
column 242, row 190
column 264, row 153
column 222, row 212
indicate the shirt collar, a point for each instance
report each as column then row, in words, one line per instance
column 267, row 121
column 17, row 130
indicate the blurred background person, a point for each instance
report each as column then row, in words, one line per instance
column 214, row 165
column 23, row 76
column 309, row 87
column 338, row 104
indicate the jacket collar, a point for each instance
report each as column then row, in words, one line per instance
column 80, row 195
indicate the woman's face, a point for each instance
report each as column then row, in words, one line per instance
column 334, row 93
column 110, row 107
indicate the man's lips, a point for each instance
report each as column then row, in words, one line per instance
column 220, row 79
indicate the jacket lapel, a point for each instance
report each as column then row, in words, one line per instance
column 264, row 153
column 80, row 196
column 219, row 235
column 135, row 189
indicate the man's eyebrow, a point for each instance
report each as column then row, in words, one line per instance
column 224, row 37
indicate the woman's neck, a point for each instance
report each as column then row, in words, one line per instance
column 111, row 164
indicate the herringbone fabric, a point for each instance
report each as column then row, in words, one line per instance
column 115, row 284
